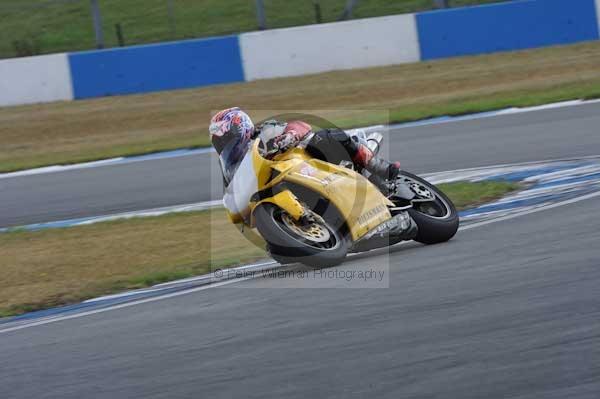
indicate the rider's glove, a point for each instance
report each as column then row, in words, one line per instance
column 285, row 141
column 271, row 148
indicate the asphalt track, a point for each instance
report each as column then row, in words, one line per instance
column 548, row 134
column 505, row 310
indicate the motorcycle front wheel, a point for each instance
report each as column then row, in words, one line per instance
column 315, row 244
column 433, row 212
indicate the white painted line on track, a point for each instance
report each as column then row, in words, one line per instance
column 195, row 207
column 107, row 162
column 479, row 169
column 60, row 168
column 238, row 280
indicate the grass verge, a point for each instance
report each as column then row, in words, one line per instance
column 56, row 267
column 468, row 195
column 69, row 132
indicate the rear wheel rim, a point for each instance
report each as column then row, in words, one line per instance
column 428, row 201
column 435, row 209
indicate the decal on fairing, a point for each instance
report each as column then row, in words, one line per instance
column 308, row 170
column 371, row 214
column 333, row 177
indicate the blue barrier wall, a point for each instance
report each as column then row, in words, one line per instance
column 165, row 66
column 506, row 26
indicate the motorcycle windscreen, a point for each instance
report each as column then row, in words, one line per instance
column 231, row 156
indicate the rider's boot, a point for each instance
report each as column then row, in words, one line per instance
column 383, row 169
column 366, row 158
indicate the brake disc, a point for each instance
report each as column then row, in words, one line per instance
column 311, row 231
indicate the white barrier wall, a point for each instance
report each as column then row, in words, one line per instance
column 598, row 13
column 35, row 80
column 327, row 47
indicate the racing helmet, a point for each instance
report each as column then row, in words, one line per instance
column 229, row 129
column 231, row 132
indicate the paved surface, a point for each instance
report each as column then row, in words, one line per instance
column 524, row 137
column 507, row 310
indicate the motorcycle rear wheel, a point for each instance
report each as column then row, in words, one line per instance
column 437, row 220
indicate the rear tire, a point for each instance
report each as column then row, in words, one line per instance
column 434, row 229
column 286, row 245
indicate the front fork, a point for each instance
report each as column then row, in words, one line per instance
column 288, row 202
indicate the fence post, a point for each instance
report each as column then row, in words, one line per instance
column 318, row 14
column 350, row 4
column 171, row 13
column 97, row 17
column 119, row 33
column 260, row 15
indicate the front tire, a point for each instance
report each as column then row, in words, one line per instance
column 316, row 245
column 437, row 220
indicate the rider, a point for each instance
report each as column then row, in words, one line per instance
column 232, row 130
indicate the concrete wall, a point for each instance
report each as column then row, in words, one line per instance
column 35, row 79
column 328, row 47
column 303, row 50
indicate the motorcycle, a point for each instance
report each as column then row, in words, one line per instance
column 314, row 212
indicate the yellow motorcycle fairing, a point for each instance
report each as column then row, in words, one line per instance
column 359, row 202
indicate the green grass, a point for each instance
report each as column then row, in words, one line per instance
column 468, row 195
column 57, row 267
column 47, row 27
